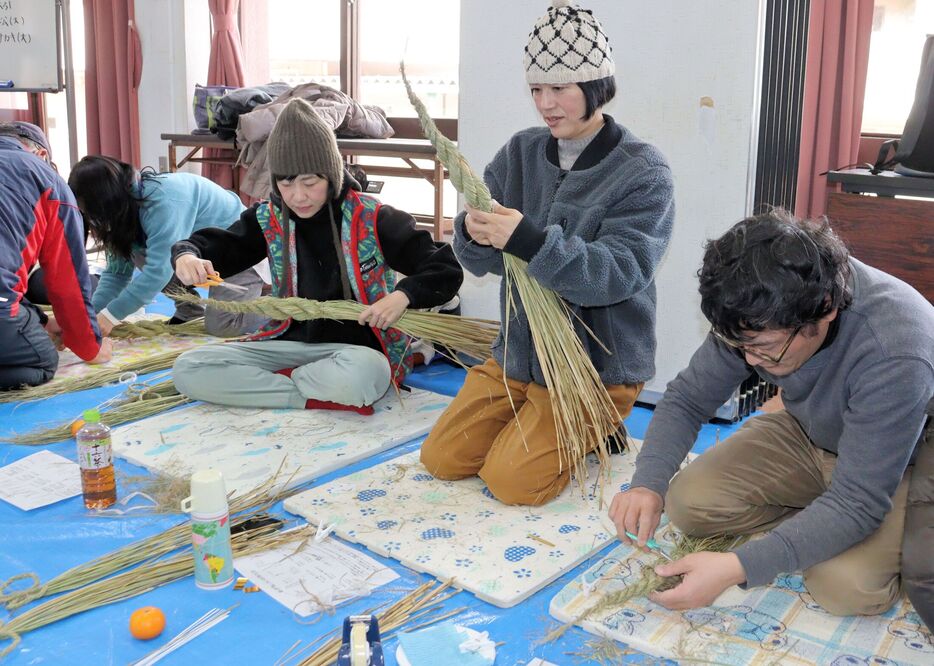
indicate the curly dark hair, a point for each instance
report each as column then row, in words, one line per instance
column 773, row 271
column 109, row 197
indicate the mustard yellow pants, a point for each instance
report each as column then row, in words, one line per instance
column 479, row 433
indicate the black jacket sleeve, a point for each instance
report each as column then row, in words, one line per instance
column 433, row 275
column 230, row 250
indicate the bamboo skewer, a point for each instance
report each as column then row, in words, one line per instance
column 585, row 415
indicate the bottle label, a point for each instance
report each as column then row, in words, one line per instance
column 95, row 453
column 210, row 537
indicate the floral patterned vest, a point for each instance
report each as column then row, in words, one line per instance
column 370, row 277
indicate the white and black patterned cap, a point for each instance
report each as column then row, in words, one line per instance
column 567, row 45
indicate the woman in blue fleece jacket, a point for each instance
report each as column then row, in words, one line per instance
column 137, row 217
column 590, row 207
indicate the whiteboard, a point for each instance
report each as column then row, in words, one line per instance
column 30, row 45
column 673, row 60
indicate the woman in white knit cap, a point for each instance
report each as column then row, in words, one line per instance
column 590, row 208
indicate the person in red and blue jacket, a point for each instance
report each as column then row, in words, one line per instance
column 40, row 222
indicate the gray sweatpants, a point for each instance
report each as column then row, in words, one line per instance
column 243, row 374
column 217, row 322
column 231, row 324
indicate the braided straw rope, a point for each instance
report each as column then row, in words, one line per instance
column 148, row 328
column 585, row 415
column 463, row 334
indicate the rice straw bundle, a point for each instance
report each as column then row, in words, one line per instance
column 462, row 334
column 94, row 378
column 152, row 328
column 650, row 581
column 138, row 404
column 421, row 602
column 585, row 416
column 134, row 582
column 241, row 508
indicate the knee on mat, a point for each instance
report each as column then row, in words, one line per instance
column 438, row 461
column 188, row 371
column 685, row 508
column 365, row 375
column 835, row 585
column 510, row 487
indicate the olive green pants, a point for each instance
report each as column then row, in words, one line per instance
column 768, row 471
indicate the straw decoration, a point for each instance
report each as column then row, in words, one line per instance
column 462, row 334
column 94, row 379
column 241, row 508
column 649, row 581
column 585, row 416
column 134, row 582
column 138, row 403
column 151, row 328
column 422, row 603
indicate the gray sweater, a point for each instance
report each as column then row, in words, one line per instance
column 594, row 235
column 862, row 397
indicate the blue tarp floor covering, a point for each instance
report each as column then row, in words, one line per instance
column 52, row 539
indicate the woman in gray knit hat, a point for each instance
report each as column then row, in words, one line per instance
column 325, row 240
column 590, row 208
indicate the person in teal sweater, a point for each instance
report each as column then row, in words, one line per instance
column 137, row 217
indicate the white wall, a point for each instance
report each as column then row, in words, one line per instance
column 669, row 54
column 176, row 42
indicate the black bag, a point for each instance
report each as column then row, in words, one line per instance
column 914, row 152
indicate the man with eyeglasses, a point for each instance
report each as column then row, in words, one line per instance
column 829, row 477
column 40, row 222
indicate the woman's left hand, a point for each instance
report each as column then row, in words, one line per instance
column 496, row 227
column 104, row 324
column 386, row 311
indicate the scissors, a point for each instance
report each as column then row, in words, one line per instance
column 215, row 280
column 652, row 545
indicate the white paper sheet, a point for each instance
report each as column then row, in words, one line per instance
column 325, row 573
column 38, row 480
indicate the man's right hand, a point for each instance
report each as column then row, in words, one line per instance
column 192, row 270
column 638, row 511
column 105, row 353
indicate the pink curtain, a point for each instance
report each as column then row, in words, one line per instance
column 225, row 67
column 114, row 66
column 834, row 86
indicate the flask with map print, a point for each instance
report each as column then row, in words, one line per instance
column 210, row 529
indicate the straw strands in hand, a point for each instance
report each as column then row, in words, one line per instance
column 421, row 604
column 649, row 581
column 462, row 334
column 134, row 582
column 152, row 328
column 138, row 403
column 242, row 508
column 94, row 378
column 585, row 415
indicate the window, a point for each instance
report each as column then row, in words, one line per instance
column 56, row 105
column 898, row 32
column 304, row 42
column 423, row 32
column 355, row 46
